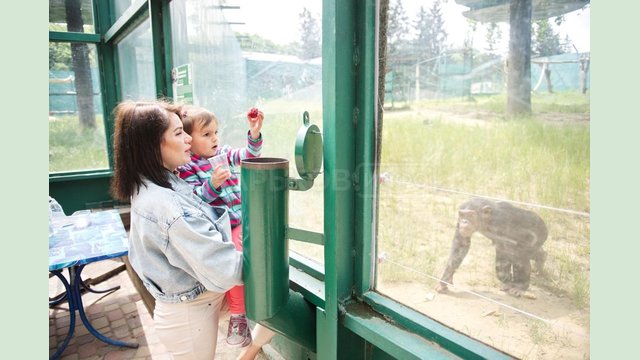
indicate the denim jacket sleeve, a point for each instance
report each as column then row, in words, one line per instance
column 199, row 248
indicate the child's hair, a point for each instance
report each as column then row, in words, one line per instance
column 196, row 116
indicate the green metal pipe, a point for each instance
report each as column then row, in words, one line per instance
column 296, row 321
column 265, row 211
column 265, row 249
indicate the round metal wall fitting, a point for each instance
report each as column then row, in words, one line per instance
column 308, row 149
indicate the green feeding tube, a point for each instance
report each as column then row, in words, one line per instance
column 265, row 186
column 265, row 249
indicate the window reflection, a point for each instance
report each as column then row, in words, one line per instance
column 478, row 184
column 76, row 130
column 252, row 53
column 135, row 58
column 120, row 6
column 72, row 16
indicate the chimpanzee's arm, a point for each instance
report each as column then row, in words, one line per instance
column 459, row 249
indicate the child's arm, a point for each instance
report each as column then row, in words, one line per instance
column 255, row 118
column 252, row 150
column 189, row 173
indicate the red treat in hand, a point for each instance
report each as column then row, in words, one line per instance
column 253, row 113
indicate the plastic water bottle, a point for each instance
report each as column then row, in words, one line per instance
column 55, row 209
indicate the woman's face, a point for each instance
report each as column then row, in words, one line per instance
column 175, row 148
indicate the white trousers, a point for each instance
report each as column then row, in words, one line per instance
column 189, row 331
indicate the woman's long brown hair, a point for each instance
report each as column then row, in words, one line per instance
column 138, row 134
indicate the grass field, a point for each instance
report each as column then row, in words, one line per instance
column 72, row 148
column 437, row 154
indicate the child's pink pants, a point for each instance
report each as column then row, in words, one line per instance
column 235, row 296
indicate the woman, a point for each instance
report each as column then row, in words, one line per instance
column 180, row 247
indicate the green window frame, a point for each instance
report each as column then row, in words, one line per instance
column 353, row 321
column 90, row 189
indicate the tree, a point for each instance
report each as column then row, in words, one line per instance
column 493, row 36
column 431, row 34
column 59, row 56
column 400, row 59
column 519, row 61
column 545, row 41
column 310, row 36
column 398, row 29
column 430, row 40
column 468, row 53
column 383, row 17
column 81, row 66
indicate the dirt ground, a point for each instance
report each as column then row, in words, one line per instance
column 547, row 327
column 546, row 324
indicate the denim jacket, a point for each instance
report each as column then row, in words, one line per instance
column 180, row 246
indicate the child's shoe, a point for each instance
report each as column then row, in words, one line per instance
column 239, row 333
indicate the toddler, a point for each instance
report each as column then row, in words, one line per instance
column 220, row 187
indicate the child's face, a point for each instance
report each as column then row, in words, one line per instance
column 205, row 140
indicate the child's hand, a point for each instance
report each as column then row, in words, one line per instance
column 255, row 118
column 219, row 175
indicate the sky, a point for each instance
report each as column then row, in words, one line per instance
column 274, row 20
column 279, row 21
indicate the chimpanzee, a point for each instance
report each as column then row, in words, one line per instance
column 517, row 234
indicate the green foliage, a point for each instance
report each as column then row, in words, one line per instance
column 493, row 36
column 493, row 158
column 398, row 28
column 562, row 102
column 59, row 56
column 545, row 41
column 494, row 105
column 310, row 36
column 256, row 43
column 431, row 37
column 400, row 57
column 430, row 42
column 72, row 148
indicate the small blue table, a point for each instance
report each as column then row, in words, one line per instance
column 78, row 240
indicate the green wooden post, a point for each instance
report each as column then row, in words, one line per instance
column 365, row 147
column 338, row 97
column 162, row 56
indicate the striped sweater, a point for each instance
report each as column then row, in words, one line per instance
column 198, row 171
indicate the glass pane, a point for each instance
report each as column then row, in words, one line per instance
column 135, row 61
column 252, row 53
column 77, row 138
column 73, row 16
column 120, row 6
column 475, row 190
